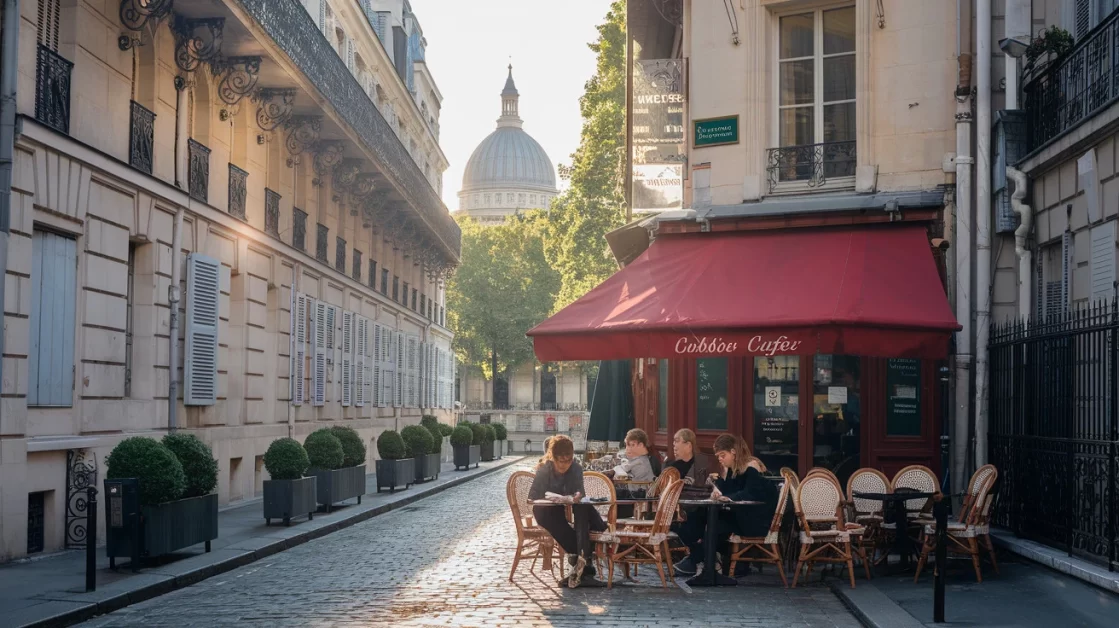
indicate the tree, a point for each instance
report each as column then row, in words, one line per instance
column 502, row 288
column 594, row 203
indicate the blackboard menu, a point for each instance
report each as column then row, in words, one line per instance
column 711, row 393
column 903, row 397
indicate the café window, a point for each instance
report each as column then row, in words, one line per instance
column 903, row 397
column 777, row 410
column 662, row 395
column 711, row 393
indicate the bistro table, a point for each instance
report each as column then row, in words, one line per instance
column 903, row 545
column 708, row 577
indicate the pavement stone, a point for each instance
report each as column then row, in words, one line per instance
column 444, row 561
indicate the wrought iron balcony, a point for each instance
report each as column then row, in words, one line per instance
column 141, row 138
column 526, row 407
column 52, row 90
column 811, row 164
column 1071, row 90
column 198, row 175
column 238, row 190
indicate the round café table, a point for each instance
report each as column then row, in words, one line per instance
column 708, row 577
column 903, row 545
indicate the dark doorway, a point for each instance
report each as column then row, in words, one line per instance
column 547, row 387
column 36, row 522
column 500, row 393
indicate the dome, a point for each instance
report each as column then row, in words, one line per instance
column 509, row 157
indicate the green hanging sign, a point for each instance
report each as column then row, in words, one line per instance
column 715, row 131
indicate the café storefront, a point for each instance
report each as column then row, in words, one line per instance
column 819, row 345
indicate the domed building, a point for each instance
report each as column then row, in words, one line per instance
column 509, row 171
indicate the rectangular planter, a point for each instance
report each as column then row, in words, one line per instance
column 499, row 449
column 166, row 528
column 287, row 499
column 338, row 485
column 427, row 467
column 487, row 451
column 394, row 474
column 467, row 456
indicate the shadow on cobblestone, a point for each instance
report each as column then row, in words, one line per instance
column 445, row 561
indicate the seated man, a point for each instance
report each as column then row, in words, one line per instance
column 638, row 465
column 560, row 479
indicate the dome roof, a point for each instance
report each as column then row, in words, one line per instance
column 509, row 158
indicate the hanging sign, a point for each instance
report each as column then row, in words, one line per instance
column 715, row 131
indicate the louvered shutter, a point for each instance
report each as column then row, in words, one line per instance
column 1066, row 268
column 378, row 351
column 201, row 367
column 439, row 377
column 359, row 362
column 298, row 349
column 318, row 373
column 1103, row 261
column 351, row 58
column 451, row 382
column 322, row 17
column 388, row 367
column 415, row 356
column 398, row 355
column 347, row 358
column 1083, row 9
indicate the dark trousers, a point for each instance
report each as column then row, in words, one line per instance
column 574, row 540
column 691, row 531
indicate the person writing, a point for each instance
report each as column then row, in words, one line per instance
column 560, row 479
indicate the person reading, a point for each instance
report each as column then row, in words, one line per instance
column 639, row 465
column 559, row 479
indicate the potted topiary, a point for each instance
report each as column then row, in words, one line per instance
column 395, row 469
column 418, row 444
column 288, row 494
column 174, row 512
column 484, row 437
column 334, row 482
column 353, row 471
column 502, row 433
column 466, row 452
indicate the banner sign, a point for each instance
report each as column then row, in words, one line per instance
column 659, row 151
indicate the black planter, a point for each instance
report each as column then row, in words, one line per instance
column 338, row 485
column 467, row 455
column 499, row 449
column 394, row 474
column 285, row 499
column 487, row 451
column 427, row 467
column 165, row 528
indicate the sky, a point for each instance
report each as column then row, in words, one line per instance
column 469, row 46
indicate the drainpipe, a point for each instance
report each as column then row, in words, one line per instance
column 182, row 132
column 173, row 297
column 961, row 247
column 296, row 271
column 9, row 40
column 982, row 227
column 1025, row 257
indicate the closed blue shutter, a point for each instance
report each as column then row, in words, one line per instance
column 50, row 380
column 201, row 359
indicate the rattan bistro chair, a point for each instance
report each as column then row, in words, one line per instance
column 768, row 547
column 824, row 535
column 645, row 544
column 532, row 541
column 868, row 512
column 964, row 537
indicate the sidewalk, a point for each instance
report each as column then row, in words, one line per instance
column 51, row 591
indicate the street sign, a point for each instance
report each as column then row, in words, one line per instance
column 715, row 131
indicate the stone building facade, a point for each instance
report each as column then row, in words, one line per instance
column 270, row 156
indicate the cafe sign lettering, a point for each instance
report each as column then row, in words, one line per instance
column 756, row 345
column 715, row 131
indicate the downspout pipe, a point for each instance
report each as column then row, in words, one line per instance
column 174, row 294
column 9, row 69
column 962, row 248
column 982, row 227
column 1021, row 235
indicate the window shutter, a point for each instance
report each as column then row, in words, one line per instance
column 201, row 367
column 49, row 14
column 318, row 375
column 1066, row 268
column 451, row 382
column 1103, row 261
column 347, row 358
column 298, row 349
column 1039, row 287
column 414, row 358
column 388, row 368
column 54, row 291
column 398, row 356
column 359, row 362
column 1083, row 9
column 378, row 392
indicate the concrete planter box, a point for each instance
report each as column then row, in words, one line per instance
column 394, row 474
column 467, row 456
column 338, row 485
column 285, row 499
column 499, row 449
column 487, row 451
column 427, row 467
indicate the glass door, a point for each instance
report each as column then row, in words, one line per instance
column 836, row 414
column 777, row 411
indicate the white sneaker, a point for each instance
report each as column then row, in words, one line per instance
column 576, row 575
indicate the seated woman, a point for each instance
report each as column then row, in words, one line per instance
column 740, row 479
column 639, row 465
column 560, row 478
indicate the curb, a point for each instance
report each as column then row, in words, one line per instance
column 872, row 607
column 1057, row 560
column 194, row 576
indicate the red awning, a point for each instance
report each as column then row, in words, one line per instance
column 872, row 291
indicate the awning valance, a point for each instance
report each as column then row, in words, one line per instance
column 872, row 291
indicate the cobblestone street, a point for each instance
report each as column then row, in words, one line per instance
column 445, row 561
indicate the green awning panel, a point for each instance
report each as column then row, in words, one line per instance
column 612, row 403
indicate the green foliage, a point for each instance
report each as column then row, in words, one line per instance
column 160, row 473
column 462, row 435
column 490, row 433
column 430, row 422
column 391, row 446
column 353, row 449
column 446, row 430
column 417, row 440
column 501, row 431
column 286, row 459
column 199, row 465
column 1052, row 43
column 436, row 438
column 480, row 433
column 324, row 450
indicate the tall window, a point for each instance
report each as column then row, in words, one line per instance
column 816, row 101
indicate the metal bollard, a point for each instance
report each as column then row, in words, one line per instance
column 91, row 540
column 940, row 512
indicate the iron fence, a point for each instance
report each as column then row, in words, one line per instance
column 526, row 407
column 1054, row 430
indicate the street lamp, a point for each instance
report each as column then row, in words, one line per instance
column 1014, row 46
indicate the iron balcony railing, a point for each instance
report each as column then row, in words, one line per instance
column 52, row 90
column 198, row 175
column 527, row 407
column 141, row 138
column 812, row 164
column 1073, row 89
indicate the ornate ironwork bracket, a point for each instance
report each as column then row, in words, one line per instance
column 345, row 174
column 81, row 473
column 327, row 157
column 303, row 134
column 276, row 107
column 199, row 41
column 238, row 77
column 136, row 14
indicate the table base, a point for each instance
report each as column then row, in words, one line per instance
column 711, row 579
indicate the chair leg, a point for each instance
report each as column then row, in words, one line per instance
column 850, row 565
column 660, row 568
column 610, row 564
column 973, row 549
column 926, row 547
column 800, row 563
column 991, row 551
column 866, row 563
column 780, row 568
column 516, row 560
column 668, row 560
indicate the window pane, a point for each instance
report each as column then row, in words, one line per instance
column 796, row 36
column 662, row 395
column 837, row 413
column 777, row 410
column 839, row 78
column 711, row 393
column 903, row 397
column 797, row 126
column 839, row 30
column 797, row 82
column 839, row 122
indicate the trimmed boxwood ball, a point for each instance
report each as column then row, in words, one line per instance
column 479, row 433
column 445, row 429
column 462, row 435
column 390, row 446
column 353, row 449
column 491, row 433
column 417, row 441
column 429, row 421
column 160, row 473
column 199, row 466
column 501, row 431
column 324, row 450
column 286, row 459
column 436, row 439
